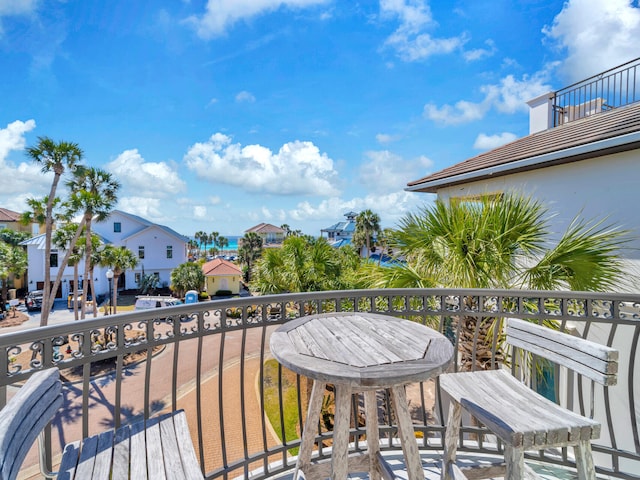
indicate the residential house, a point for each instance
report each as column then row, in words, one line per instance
column 220, row 275
column 271, row 235
column 340, row 234
column 11, row 220
column 578, row 160
column 159, row 250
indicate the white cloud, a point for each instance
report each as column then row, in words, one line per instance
column 391, row 207
column 153, row 179
column 199, row 212
column 145, row 207
column 12, row 137
column 489, row 142
column 297, row 168
column 508, row 96
column 245, row 96
column 222, row 14
column 215, row 200
column 410, row 40
column 596, row 35
column 387, row 172
column 17, row 7
column 384, row 138
column 212, row 102
column 24, row 176
column 480, row 53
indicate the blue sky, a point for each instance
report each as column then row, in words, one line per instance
column 217, row 115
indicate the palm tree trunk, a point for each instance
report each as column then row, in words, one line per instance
column 87, row 263
column 75, row 290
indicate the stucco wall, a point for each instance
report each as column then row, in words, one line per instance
column 605, row 187
column 215, row 283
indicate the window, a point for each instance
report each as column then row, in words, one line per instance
column 157, row 275
column 54, row 259
column 117, row 227
column 169, row 251
column 141, row 251
column 138, row 277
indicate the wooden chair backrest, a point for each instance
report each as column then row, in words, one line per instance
column 25, row 416
column 594, row 361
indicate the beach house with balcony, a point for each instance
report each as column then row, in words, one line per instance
column 271, row 235
column 581, row 157
column 341, row 233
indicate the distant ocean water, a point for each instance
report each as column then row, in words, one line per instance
column 233, row 242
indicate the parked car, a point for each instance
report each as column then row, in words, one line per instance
column 145, row 302
column 33, row 300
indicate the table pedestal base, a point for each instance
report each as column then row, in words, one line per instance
column 341, row 462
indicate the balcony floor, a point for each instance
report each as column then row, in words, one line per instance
column 431, row 465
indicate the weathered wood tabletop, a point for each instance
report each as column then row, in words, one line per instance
column 359, row 352
column 361, row 349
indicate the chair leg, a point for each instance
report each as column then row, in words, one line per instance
column 451, row 439
column 514, row 457
column 584, row 461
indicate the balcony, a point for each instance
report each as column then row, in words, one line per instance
column 614, row 88
column 210, row 359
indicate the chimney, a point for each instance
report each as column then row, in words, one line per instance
column 541, row 113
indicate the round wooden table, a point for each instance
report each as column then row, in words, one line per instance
column 359, row 352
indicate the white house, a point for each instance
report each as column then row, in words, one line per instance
column 585, row 164
column 159, row 250
column 581, row 160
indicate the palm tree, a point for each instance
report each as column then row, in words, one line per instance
column 498, row 243
column 54, row 157
column 185, row 277
column 304, row 264
column 119, row 260
column 65, row 237
column 249, row 252
column 223, row 242
column 367, row 228
column 200, row 236
column 95, row 192
column 286, row 228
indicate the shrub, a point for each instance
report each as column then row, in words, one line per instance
column 223, row 293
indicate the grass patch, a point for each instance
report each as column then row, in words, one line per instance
column 289, row 391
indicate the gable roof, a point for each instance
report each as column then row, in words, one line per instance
column 265, row 228
column 608, row 132
column 7, row 215
column 145, row 224
column 219, row 266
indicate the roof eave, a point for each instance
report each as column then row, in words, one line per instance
column 600, row 148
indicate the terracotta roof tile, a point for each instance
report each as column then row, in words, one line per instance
column 219, row 266
column 602, row 126
column 9, row 215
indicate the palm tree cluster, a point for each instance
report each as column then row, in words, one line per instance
column 204, row 239
column 498, row 242
column 249, row 250
column 304, row 264
column 367, row 230
column 92, row 193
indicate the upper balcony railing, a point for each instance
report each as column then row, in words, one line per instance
column 245, row 412
column 614, row 88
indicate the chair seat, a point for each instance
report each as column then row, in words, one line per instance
column 519, row 416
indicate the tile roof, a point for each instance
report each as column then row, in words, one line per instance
column 604, row 126
column 7, row 215
column 265, row 228
column 219, row 266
